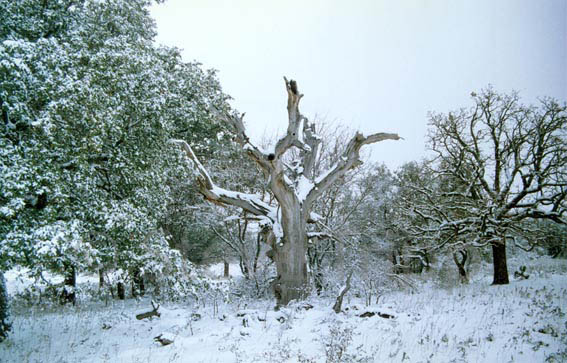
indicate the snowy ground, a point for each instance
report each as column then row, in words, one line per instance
column 522, row 322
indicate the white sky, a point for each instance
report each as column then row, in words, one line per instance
column 376, row 66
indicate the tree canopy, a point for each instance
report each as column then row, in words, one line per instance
column 88, row 104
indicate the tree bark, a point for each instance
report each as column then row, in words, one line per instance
column 138, row 287
column 100, row 278
column 121, row 290
column 294, row 188
column 69, row 284
column 339, row 302
column 500, row 264
column 226, row 272
column 461, row 264
column 290, row 254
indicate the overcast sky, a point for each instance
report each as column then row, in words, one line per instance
column 372, row 65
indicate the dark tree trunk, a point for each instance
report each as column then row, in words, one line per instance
column 426, row 262
column 121, row 290
column 138, row 287
column 226, row 272
column 500, row 265
column 460, row 258
column 5, row 322
column 69, row 284
column 318, row 280
column 100, row 278
column 258, row 248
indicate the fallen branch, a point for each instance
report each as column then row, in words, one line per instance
column 150, row 314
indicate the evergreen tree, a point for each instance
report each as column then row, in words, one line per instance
column 89, row 104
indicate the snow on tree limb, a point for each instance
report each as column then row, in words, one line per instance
column 350, row 159
column 291, row 182
column 260, row 157
column 248, row 202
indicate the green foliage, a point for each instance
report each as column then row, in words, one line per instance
column 88, row 105
column 5, row 324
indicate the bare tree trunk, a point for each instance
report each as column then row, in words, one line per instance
column 461, row 264
column 294, row 188
column 121, row 290
column 138, row 287
column 257, row 255
column 425, row 261
column 292, row 282
column 69, row 285
column 339, row 302
column 100, row 278
column 226, row 272
column 500, row 264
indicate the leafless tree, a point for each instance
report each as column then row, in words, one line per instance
column 242, row 241
column 497, row 165
column 293, row 185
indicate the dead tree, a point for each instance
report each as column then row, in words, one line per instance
column 294, row 188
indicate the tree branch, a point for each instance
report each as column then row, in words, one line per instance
column 248, row 202
column 349, row 160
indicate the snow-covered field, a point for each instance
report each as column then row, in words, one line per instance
column 522, row 322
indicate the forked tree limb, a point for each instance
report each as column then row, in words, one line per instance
column 260, row 157
column 350, row 159
column 295, row 118
column 248, row 202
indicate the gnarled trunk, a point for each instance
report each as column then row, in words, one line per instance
column 292, row 282
column 290, row 256
column 500, row 265
column 294, row 186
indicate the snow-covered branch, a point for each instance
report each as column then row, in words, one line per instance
column 350, row 159
column 248, row 202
